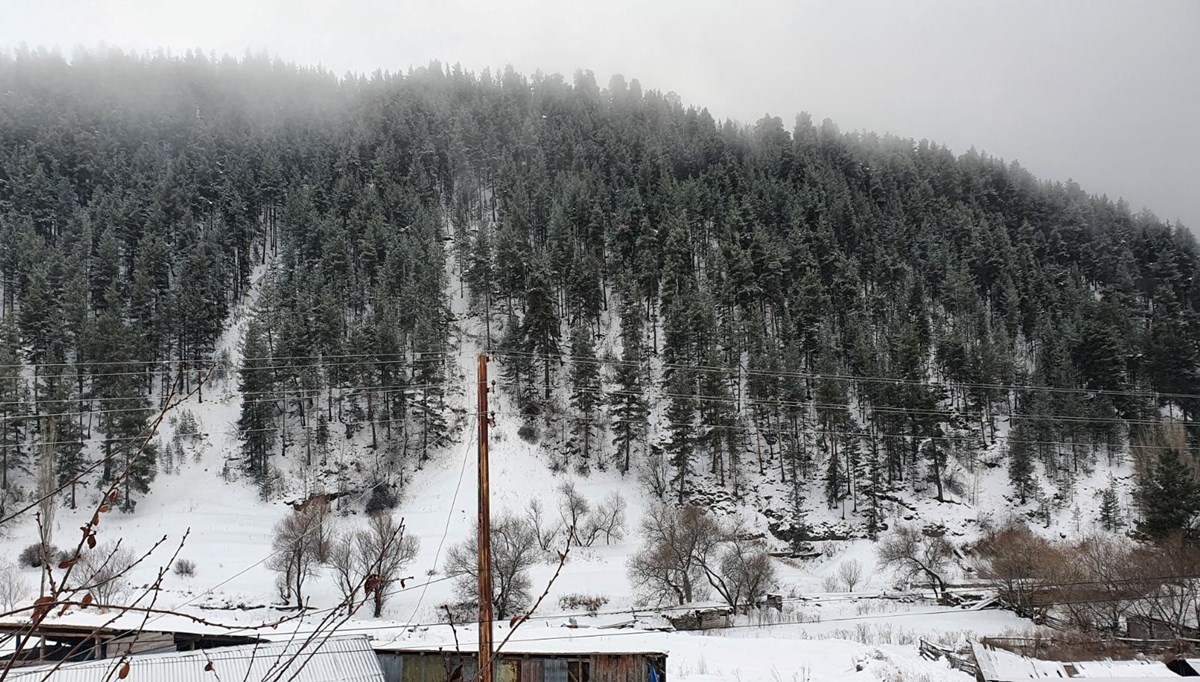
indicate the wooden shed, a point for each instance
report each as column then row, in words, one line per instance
column 518, row 665
column 1145, row 627
column 60, row 641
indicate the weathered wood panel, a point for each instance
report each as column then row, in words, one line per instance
column 431, row 667
column 554, row 670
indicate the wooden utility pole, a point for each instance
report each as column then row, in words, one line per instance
column 485, row 534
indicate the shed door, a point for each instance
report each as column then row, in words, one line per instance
column 507, row 671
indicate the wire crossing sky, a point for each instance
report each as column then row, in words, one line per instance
column 1102, row 92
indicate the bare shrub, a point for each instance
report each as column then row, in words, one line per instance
column 829, row 583
column 14, row 590
column 831, row 548
column 914, row 554
column 850, row 573
column 464, row 611
column 1020, row 565
column 528, row 433
column 185, row 567
column 103, row 571
column 301, row 544
column 32, row 555
column 514, row 552
column 582, row 602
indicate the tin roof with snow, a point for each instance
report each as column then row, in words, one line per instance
column 336, row 659
column 998, row 665
column 613, row 640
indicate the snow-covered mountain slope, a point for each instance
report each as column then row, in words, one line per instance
column 819, row 634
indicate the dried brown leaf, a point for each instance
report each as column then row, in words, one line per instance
column 42, row 606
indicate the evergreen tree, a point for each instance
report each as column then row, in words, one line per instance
column 257, row 421
column 1110, row 507
column 627, row 403
column 13, row 407
column 681, row 417
column 541, row 323
column 71, row 464
column 1169, row 496
column 517, row 367
column 586, row 396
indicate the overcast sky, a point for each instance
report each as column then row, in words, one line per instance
column 1107, row 93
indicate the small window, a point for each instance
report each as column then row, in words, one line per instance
column 579, row 671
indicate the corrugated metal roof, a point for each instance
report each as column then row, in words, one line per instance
column 558, row 641
column 998, row 665
column 337, row 659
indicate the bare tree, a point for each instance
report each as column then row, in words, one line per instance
column 668, row 567
column 607, row 519
column 686, row 551
column 13, row 588
column 103, row 573
column 514, row 551
column 589, row 522
column 374, row 556
column 850, row 573
column 385, row 550
column 301, row 544
column 1168, row 592
column 914, row 554
column 744, row 572
column 1019, row 565
column 573, row 508
column 63, row 588
column 347, row 569
column 1096, row 580
column 655, row 475
column 534, row 516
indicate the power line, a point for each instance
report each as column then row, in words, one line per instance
column 815, row 376
column 274, row 397
column 321, row 361
column 449, row 516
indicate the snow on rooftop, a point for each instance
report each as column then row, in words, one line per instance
column 998, row 665
column 538, row 639
column 1122, row 669
column 93, row 619
column 336, row 659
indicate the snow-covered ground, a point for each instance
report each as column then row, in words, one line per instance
column 819, row 635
